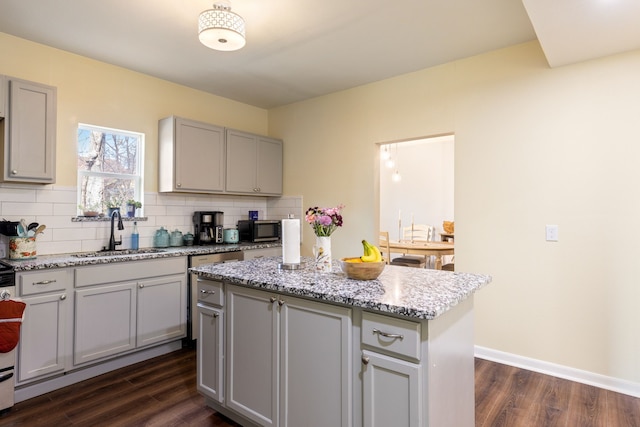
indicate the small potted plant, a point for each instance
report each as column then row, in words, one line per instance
column 113, row 205
column 91, row 210
column 132, row 206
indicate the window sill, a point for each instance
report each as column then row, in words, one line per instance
column 105, row 218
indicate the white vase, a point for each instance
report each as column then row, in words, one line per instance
column 322, row 253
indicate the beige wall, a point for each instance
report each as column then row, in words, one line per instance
column 534, row 146
column 100, row 94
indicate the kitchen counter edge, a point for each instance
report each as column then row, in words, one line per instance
column 402, row 291
column 73, row 260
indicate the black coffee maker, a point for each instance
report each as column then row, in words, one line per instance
column 208, row 227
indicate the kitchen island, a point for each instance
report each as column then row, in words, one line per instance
column 297, row 347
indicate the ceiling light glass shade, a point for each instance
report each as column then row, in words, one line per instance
column 396, row 177
column 221, row 29
column 389, row 163
column 385, row 153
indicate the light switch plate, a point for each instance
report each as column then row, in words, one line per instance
column 552, row 233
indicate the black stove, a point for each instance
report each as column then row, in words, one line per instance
column 7, row 275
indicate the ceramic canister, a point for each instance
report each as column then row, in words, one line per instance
column 22, row 247
column 230, row 235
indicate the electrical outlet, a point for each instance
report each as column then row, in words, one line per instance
column 552, row 233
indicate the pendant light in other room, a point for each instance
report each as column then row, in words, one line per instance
column 396, row 177
column 221, row 29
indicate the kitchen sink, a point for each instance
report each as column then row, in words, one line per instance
column 118, row 252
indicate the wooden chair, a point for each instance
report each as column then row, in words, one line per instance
column 416, row 233
column 383, row 245
column 419, row 232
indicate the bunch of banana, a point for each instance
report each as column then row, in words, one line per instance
column 371, row 253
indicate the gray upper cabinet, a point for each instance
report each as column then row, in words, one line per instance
column 254, row 164
column 29, row 132
column 3, row 96
column 191, row 156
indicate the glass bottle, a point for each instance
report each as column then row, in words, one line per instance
column 135, row 237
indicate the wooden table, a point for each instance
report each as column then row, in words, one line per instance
column 423, row 248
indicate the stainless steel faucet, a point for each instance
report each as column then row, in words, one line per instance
column 112, row 240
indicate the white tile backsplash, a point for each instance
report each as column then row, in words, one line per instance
column 54, row 206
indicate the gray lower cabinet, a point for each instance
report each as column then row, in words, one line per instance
column 105, row 322
column 391, row 391
column 29, row 132
column 418, row 373
column 45, row 335
column 254, row 164
column 284, row 356
column 210, row 352
column 126, row 306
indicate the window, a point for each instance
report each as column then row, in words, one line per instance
column 110, row 168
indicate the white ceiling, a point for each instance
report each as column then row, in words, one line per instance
column 299, row 49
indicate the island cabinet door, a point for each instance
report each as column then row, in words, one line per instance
column 251, row 354
column 210, row 352
column 315, row 365
column 391, row 393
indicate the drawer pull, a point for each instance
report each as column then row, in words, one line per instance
column 281, row 302
column 206, row 292
column 44, row 282
column 387, row 334
column 365, row 360
column 273, row 299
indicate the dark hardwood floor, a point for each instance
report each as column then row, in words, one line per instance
column 162, row 392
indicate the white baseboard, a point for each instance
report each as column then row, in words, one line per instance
column 29, row 391
column 585, row 377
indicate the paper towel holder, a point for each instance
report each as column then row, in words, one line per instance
column 283, row 266
column 289, row 266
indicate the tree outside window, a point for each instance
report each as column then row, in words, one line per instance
column 109, row 168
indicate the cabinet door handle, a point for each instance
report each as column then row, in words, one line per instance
column 44, row 282
column 14, row 172
column 387, row 334
column 273, row 299
column 365, row 360
column 63, row 297
column 216, row 314
column 178, row 185
column 204, row 291
column 141, row 285
column 5, row 377
column 281, row 302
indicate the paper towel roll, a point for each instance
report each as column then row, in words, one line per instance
column 291, row 241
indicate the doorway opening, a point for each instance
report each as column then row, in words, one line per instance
column 416, row 184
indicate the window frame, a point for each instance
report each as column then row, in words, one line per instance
column 138, row 179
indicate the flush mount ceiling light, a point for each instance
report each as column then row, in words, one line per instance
column 221, row 29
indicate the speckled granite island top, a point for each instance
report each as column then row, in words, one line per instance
column 411, row 292
column 77, row 259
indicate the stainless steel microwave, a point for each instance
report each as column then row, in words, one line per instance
column 261, row 230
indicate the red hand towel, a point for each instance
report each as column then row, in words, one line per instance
column 10, row 321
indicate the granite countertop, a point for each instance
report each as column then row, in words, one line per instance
column 405, row 291
column 79, row 259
